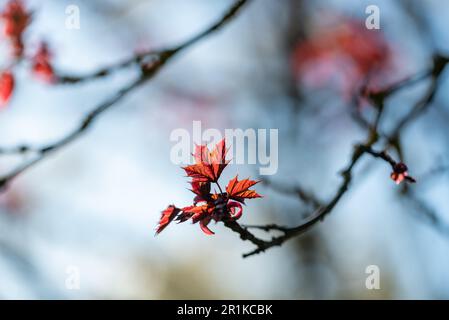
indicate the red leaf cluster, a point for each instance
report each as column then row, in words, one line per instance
column 207, row 205
column 16, row 18
column 347, row 52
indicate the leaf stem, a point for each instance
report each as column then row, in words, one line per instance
column 218, row 185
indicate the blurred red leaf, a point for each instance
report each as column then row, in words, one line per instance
column 42, row 67
column 16, row 19
column 6, row 87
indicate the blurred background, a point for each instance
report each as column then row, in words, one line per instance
column 91, row 209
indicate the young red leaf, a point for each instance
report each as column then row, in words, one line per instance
column 204, row 228
column 235, row 209
column 201, row 154
column 218, row 158
column 202, row 191
column 199, row 214
column 200, row 173
column 209, row 165
column 200, row 188
column 239, row 190
column 167, row 216
column 196, row 213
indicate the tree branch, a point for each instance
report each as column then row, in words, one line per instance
column 347, row 174
column 314, row 218
column 148, row 70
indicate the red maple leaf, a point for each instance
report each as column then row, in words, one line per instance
column 200, row 173
column 209, row 164
column 202, row 191
column 167, row 216
column 239, row 190
column 203, row 225
column 196, row 213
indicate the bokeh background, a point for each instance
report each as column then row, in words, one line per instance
column 94, row 205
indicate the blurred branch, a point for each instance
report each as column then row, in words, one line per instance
column 427, row 213
column 304, row 195
column 148, row 70
column 378, row 99
column 424, row 210
column 106, row 71
column 439, row 65
column 148, row 57
column 436, row 171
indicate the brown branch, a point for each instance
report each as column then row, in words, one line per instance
column 380, row 154
column 136, row 60
column 267, row 227
column 317, row 216
column 423, row 104
column 379, row 96
column 323, row 211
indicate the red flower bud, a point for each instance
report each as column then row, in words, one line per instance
column 400, row 173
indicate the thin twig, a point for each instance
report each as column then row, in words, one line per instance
column 148, row 70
